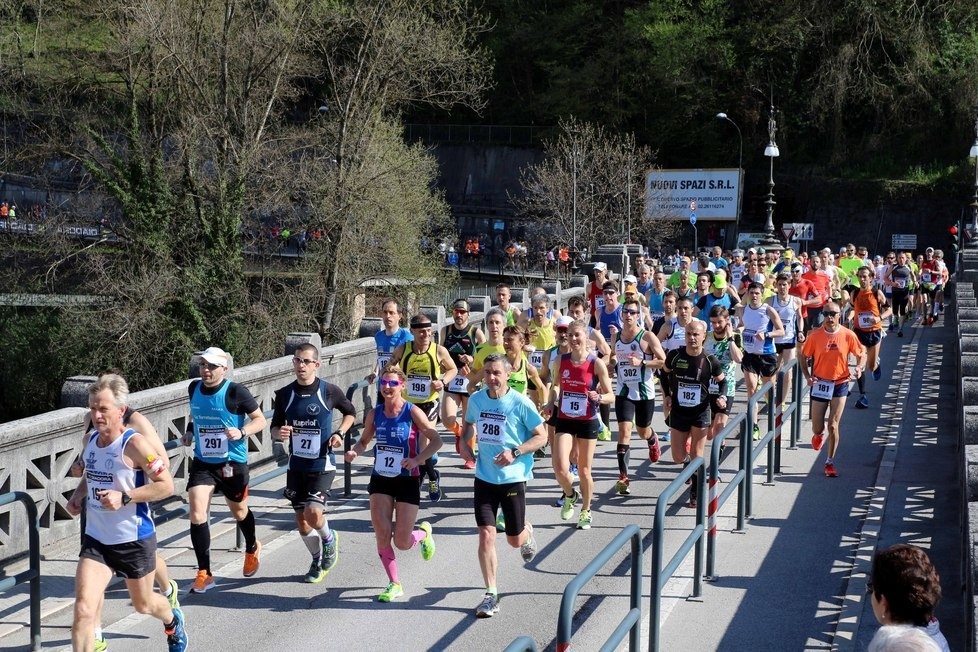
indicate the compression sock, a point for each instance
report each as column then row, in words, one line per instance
column 861, row 381
column 313, row 543
column 248, row 530
column 389, row 563
column 417, row 537
column 622, row 452
column 200, row 538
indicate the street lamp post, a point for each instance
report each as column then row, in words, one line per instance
column 771, row 151
column 740, row 172
column 974, row 200
column 573, row 251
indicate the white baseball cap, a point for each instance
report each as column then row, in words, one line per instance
column 215, row 355
column 601, row 266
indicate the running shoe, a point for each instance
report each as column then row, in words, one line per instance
column 428, row 543
column 252, row 560
column 315, row 574
column 605, row 434
column 393, row 590
column 567, row 509
column 529, row 549
column 693, row 494
column 203, row 583
column 100, row 645
column 488, row 607
column 830, row 470
column 434, row 488
column 900, row 333
column 664, row 437
column 756, row 433
column 176, row 638
column 540, row 453
column 862, row 403
column 469, row 464
column 573, row 470
column 331, row 552
column 584, row 522
column 458, row 445
column 560, row 501
column 173, row 598
column 817, row 442
column 878, row 371
column 723, row 447
column 655, row 452
column 500, row 522
column 622, row 486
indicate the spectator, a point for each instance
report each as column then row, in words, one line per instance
column 902, row 638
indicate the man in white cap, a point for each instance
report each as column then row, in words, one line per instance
column 594, row 291
column 219, row 429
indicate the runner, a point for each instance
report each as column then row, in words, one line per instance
column 429, row 370
column 541, row 337
column 122, row 477
column 789, row 309
column 303, row 417
column 582, row 384
column 388, row 339
column 503, row 295
column 761, row 324
column 609, row 322
column 826, row 368
column 823, row 288
column 460, row 339
column 219, row 435
column 595, row 291
column 638, row 354
column 727, row 345
column 686, row 392
column 405, row 439
column 869, row 309
column 509, row 429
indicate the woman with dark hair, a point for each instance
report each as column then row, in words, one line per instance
column 905, row 589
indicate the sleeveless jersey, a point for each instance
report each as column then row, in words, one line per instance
column 517, row 377
column 421, row 370
column 655, row 305
column 311, row 419
column 543, row 338
column 789, row 316
column 757, row 320
column 901, row 278
column 460, row 342
column 576, row 380
column 677, row 337
column 106, row 468
column 606, row 320
column 634, row 383
column 930, row 274
column 211, row 417
column 397, row 440
column 737, row 274
column 597, row 300
column 866, row 305
column 720, row 349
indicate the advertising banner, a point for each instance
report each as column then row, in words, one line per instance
column 668, row 194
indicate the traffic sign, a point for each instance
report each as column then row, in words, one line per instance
column 788, row 231
column 692, row 219
column 692, row 205
column 803, row 230
column 904, row 242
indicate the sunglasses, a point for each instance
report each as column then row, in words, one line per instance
column 561, row 329
column 460, row 312
column 208, row 366
column 389, row 383
column 301, row 361
column 831, row 313
column 609, row 292
column 631, row 312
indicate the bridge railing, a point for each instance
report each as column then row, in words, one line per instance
column 33, row 572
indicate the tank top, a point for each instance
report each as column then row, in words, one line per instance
column 757, row 320
column 606, row 320
column 211, row 417
column 421, row 370
column 312, row 422
column 543, row 338
column 789, row 315
column 397, row 440
column 901, row 278
column 720, row 349
column 460, row 342
column 106, row 468
column 576, row 380
column 677, row 338
column 517, row 377
column 634, row 383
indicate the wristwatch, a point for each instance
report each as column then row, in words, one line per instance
column 126, row 499
column 516, row 452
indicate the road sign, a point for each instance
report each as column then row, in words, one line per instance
column 803, row 230
column 788, row 231
column 904, row 241
column 692, row 219
column 692, row 205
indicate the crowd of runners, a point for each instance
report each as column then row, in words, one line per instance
column 520, row 386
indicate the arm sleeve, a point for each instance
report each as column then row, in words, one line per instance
column 278, row 414
column 239, row 399
column 338, row 400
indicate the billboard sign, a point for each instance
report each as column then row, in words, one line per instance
column 670, row 193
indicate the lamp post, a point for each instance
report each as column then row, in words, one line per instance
column 770, row 241
column 740, row 172
column 573, row 251
column 974, row 200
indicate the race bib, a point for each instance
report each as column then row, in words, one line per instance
column 536, row 358
column 925, row 277
column 573, row 404
column 657, row 316
column 689, row 395
column 306, row 443
column 900, row 283
column 735, row 277
column 382, row 359
column 213, row 441
column 599, row 303
column 866, row 320
column 490, row 428
column 459, row 384
column 419, row 387
column 626, row 372
column 97, row 482
column 749, row 338
column 387, row 461
column 823, row 389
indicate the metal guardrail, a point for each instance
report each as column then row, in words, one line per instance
column 33, row 573
column 522, row 644
column 630, row 624
column 695, row 539
column 765, row 391
column 738, row 484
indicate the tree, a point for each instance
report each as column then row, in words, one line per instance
column 581, row 188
